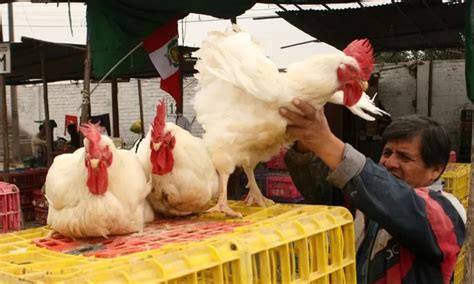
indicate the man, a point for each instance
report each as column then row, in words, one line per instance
column 411, row 231
column 38, row 146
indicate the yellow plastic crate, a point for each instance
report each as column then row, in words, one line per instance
column 281, row 244
column 459, row 267
column 465, row 202
column 456, row 179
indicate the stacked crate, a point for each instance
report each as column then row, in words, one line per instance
column 28, row 181
column 284, row 243
column 279, row 185
column 40, row 205
column 466, row 136
column 457, row 180
column 10, row 211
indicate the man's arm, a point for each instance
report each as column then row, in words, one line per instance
column 425, row 223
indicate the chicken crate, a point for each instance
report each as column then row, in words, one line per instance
column 283, row 243
column 28, row 213
column 30, row 178
column 459, row 271
column 456, row 179
column 10, row 210
column 278, row 162
column 39, row 199
column 40, row 215
column 281, row 188
column 465, row 202
column 26, row 197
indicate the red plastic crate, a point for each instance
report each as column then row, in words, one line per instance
column 155, row 235
column 9, row 207
column 282, row 188
column 41, row 215
column 28, row 212
column 26, row 197
column 278, row 161
column 39, row 199
column 30, row 178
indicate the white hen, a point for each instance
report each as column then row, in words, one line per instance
column 184, row 178
column 364, row 104
column 241, row 90
column 98, row 190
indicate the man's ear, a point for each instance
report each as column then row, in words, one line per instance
column 437, row 171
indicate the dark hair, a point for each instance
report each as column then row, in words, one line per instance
column 72, row 128
column 435, row 143
column 41, row 127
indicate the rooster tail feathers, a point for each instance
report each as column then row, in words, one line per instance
column 361, row 50
column 159, row 121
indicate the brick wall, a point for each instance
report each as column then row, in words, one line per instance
column 65, row 98
column 406, row 92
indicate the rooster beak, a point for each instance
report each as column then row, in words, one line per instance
column 364, row 85
column 94, row 163
column 156, row 146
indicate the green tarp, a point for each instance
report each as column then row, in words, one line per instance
column 116, row 26
column 469, row 56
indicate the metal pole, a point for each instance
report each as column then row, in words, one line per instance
column 140, row 102
column 86, row 101
column 13, row 96
column 47, row 125
column 6, row 145
column 115, row 109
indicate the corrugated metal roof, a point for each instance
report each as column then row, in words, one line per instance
column 63, row 62
column 391, row 27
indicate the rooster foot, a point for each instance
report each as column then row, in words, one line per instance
column 257, row 198
column 224, row 208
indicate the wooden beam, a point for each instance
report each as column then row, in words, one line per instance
column 115, row 109
column 86, row 98
column 140, row 102
column 6, row 144
column 47, row 125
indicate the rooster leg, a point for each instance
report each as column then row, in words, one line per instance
column 255, row 196
column 222, row 205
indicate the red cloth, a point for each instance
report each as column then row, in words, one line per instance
column 70, row 119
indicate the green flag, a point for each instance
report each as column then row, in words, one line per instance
column 116, row 26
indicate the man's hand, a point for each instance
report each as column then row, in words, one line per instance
column 313, row 131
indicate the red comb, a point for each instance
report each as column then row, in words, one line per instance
column 92, row 132
column 362, row 51
column 160, row 121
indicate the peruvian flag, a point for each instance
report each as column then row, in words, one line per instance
column 162, row 47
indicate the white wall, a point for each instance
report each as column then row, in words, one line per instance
column 402, row 92
column 65, row 98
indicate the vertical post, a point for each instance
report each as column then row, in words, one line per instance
column 6, row 144
column 115, row 109
column 430, row 88
column 13, row 96
column 179, row 107
column 86, row 98
column 140, row 102
column 47, row 125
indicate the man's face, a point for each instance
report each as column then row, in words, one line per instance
column 402, row 158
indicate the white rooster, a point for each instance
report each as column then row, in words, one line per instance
column 240, row 92
column 365, row 103
column 184, row 178
column 98, row 190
